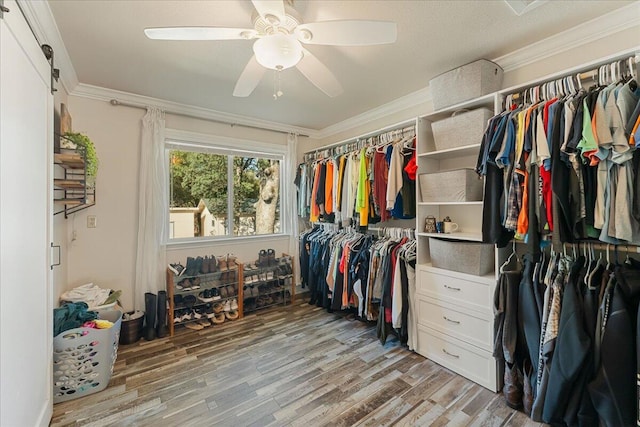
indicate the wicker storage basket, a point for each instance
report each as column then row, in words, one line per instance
column 83, row 359
column 464, row 128
column 462, row 256
column 463, row 83
column 460, row 185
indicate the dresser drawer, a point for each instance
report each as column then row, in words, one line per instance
column 476, row 294
column 469, row 326
column 469, row 361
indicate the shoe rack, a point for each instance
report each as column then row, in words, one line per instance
column 268, row 284
column 195, row 293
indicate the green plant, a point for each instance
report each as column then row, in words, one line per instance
column 83, row 141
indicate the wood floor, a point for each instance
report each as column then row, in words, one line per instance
column 293, row 366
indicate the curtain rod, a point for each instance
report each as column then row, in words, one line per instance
column 116, row 103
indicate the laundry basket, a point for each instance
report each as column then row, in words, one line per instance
column 83, row 359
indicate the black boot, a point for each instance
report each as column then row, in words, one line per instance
column 191, row 267
column 161, row 330
column 150, row 304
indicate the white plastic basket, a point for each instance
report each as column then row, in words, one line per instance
column 83, row 359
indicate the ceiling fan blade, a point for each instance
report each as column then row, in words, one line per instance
column 249, row 78
column 199, row 33
column 270, row 7
column 319, row 74
column 347, row 33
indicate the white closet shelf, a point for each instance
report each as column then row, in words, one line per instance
column 465, row 150
column 469, row 236
column 489, row 279
column 483, row 101
column 449, row 203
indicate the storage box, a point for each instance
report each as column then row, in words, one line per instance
column 464, row 83
column 462, row 256
column 459, row 185
column 463, row 128
column 83, row 359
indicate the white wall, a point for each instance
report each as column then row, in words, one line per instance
column 106, row 254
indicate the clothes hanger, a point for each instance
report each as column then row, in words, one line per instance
column 513, row 252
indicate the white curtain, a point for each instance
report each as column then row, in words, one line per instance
column 153, row 208
column 289, row 202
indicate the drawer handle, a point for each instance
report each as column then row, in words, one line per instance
column 452, row 288
column 457, row 322
column 450, row 354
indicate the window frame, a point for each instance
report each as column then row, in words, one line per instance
column 214, row 144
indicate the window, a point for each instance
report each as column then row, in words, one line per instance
column 218, row 191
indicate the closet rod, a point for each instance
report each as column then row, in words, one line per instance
column 116, row 102
column 599, row 246
column 404, row 125
column 517, row 92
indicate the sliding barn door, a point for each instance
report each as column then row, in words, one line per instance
column 26, row 135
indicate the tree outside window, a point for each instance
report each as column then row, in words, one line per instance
column 199, row 194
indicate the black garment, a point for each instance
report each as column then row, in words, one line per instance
column 572, row 346
column 530, row 315
column 322, row 178
column 404, row 283
column 563, row 194
column 613, row 390
column 505, row 309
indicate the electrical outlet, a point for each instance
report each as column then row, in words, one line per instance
column 92, row 221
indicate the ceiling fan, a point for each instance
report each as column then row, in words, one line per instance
column 280, row 36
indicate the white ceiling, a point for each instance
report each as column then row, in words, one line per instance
column 108, row 48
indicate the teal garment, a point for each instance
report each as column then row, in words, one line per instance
column 71, row 315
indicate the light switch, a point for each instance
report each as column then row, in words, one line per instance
column 91, row 221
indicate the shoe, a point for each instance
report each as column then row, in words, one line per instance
column 269, row 275
column 234, row 304
column 190, row 269
column 223, row 292
column 196, row 315
column 231, row 291
column 195, row 283
column 232, row 315
column 215, row 294
column 198, row 265
column 226, row 306
column 222, row 263
column 231, row 262
column 513, row 387
column 205, row 296
column 194, row 326
column 213, row 264
column 184, row 285
column 189, row 300
column 205, row 323
column 218, row 318
column 150, row 305
column 205, row 265
column 161, row 329
column 209, row 311
column 186, row 316
column 217, row 308
column 177, row 269
column 263, row 259
column 271, row 257
column 177, row 299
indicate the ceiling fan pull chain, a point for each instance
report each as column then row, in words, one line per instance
column 277, row 91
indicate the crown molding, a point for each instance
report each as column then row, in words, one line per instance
column 397, row 105
column 40, row 19
column 170, row 107
column 587, row 32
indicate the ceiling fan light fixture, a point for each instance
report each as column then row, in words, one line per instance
column 278, row 51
